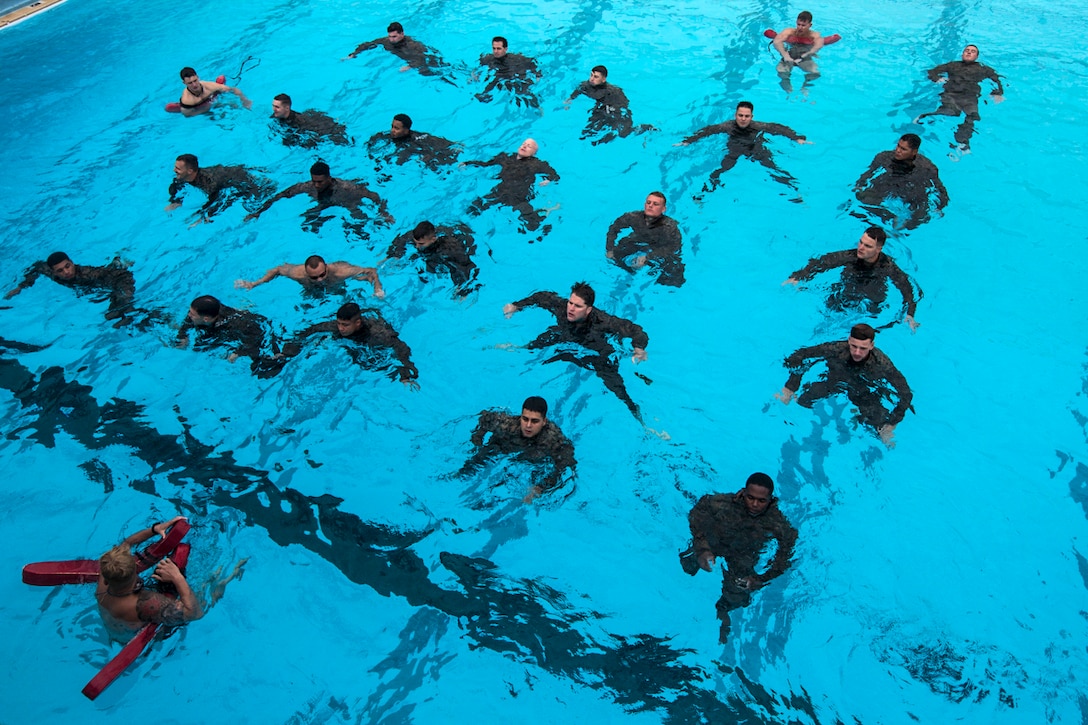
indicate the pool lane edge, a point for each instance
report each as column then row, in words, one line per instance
column 18, row 15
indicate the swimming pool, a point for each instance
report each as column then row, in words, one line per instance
column 942, row 580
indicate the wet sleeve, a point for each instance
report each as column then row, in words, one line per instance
column 819, row 265
column 786, row 536
column 387, row 336
column 708, row 131
column 703, row 525
column 488, row 422
column 548, row 171
column 779, row 130
column 157, row 608
column 902, row 283
column 992, row 75
column 561, row 451
column 31, row 275
column 801, row 360
column 624, row 329
column 902, row 391
column 399, row 246
column 623, row 222
column 936, row 73
column 366, row 46
column 867, row 176
column 294, row 346
column 545, row 300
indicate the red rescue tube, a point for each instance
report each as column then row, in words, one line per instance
column 136, row 645
column 175, row 107
column 828, row 40
column 85, row 571
column 51, row 573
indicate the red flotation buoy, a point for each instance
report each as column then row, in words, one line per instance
column 828, row 39
column 85, row 571
column 135, row 646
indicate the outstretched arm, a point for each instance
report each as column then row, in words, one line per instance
column 29, row 279
column 270, row 275
column 370, row 274
column 287, row 193
column 867, row 176
column 361, row 47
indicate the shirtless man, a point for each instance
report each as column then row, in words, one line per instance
column 125, row 604
column 798, row 47
column 198, row 95
column 315, row 274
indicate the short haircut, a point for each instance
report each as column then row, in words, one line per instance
column 600, row 69
column 56, row 258
column 861, row 331
column 423, row 229
column 187, row 72
column 804, row 16
column 348, row 311
column 207, row 306
column 117, row 565
column 500, row 39
column 314, row 261
column 283, row 98
column 913, row 140
column 760, row 479
column 972, row 45
column 877, row 234
column 536, row 404
column 405, row 120
column 746, row 104
column 583, row 290
column 395, row 28
column 319, row 169
column 190, row 161
column 659, row 195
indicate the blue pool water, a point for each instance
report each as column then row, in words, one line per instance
column 941, row 581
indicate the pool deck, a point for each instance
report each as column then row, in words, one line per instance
column 15, row 12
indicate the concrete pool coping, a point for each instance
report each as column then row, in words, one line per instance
column 21, row 13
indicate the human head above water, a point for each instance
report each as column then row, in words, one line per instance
column 118, row 565
column 423, row 229
column 585, row 292
column 187, row 72
column 206, row 306
column 804, row 17
column 536, row 404
column 862, row 331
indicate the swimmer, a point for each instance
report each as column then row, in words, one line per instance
column 315, row 273
column 747, row 137
column 445, row 249
column 518, row 173
column 866, row 272
column 579, row 323
column 308, row 128
column 738, row 527
column 860, row 370
column 242, row 333
column 904, row 174
column 401, row 143
column 531, row 435
column 962, row 81
column 221, row 184
column 328, row 192
column 512, row 71
column 654, row 240
column 123, row 601
column 114, row 279
column 198, row 95
column 611, row 115
column 426, row 60
column 368, row 332
column 798, row 47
